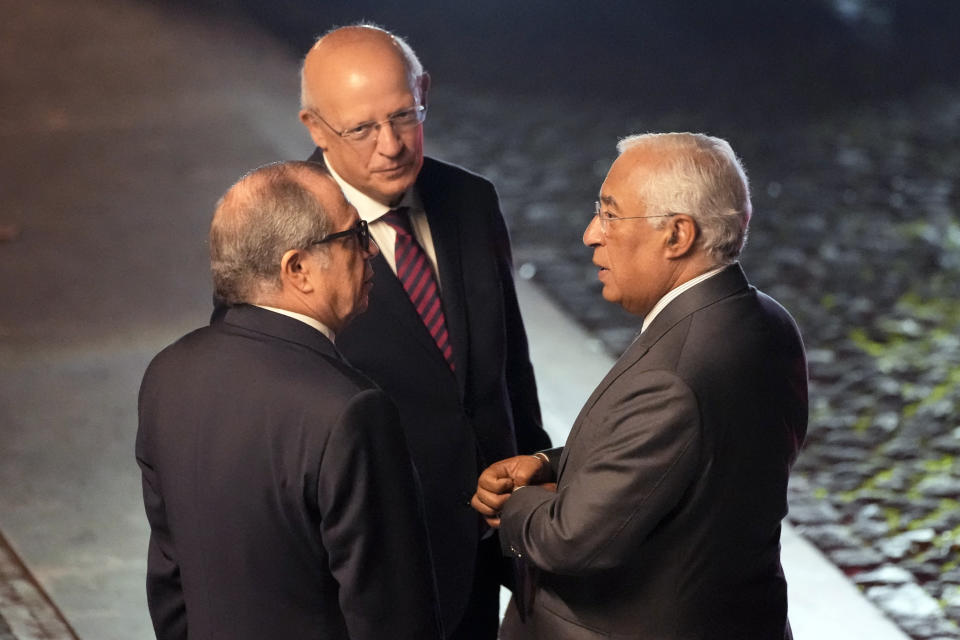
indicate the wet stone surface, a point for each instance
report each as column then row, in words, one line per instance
column 856, row 231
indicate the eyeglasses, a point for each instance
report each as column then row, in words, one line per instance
column 605, row 217
column 400, row 122
column 360, row 230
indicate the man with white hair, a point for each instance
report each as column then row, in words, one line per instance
column 660, row 517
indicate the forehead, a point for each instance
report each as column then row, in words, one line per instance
column 358, row 76
column 621, row 187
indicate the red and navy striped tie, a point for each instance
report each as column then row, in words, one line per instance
column 416, row 275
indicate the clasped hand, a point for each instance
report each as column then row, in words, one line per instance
column 501, row 479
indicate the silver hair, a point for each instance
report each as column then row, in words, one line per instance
column 700, row 176
column 410, row 61
column 266, row 213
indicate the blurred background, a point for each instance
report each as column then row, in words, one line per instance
column 122, row 121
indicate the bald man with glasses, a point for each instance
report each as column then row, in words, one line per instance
column 443, row 334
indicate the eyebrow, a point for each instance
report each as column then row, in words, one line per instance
column 390, row 115
column 610, row 201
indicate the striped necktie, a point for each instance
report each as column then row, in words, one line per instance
column 416, row 275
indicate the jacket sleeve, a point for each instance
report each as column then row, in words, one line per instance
column 372, row 525
column 164, row 589
column 639, row 454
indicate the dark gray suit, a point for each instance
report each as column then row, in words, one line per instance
column 672, row 483
column 281, row 498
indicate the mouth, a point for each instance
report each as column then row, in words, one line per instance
column 393, row 170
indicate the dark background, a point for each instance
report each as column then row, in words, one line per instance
column 736, row 59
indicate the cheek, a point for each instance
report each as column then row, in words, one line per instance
column 358, row 268
column 351, row 164
column 627, row 269
column 416, row 140
column 619, row 256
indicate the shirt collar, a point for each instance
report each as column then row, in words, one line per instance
column 313, row 322
column 676, row 291
column 368, row 208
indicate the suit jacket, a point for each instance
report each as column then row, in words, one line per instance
column 455, row 423
column 672, row 483
column 281, row 501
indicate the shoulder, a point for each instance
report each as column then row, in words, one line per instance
column 316, row 379
column 367, row 420
column 447, row 187
column 437, row 172
column 180, row 353
column 748, row 319
column 745, row 337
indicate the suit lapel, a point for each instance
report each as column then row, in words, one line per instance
column 726, row 283
column 633, row 353
column 390, row 299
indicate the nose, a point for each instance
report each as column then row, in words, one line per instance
column 388, row 140
column 592, row 235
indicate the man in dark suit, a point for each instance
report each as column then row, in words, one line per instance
column 664, row 521
column 276, row 478
column 443, row 335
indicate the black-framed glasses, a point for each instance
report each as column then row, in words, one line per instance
column 605, row 217
column 400, row 122
column 361, row 230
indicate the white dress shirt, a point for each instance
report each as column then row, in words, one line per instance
column 384, row 235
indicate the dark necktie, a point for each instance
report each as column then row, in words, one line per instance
column 416, row 275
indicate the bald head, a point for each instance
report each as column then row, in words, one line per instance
column 364, row 79
column 339, row 57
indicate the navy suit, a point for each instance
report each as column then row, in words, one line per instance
column 455, row 423
column 281, row 498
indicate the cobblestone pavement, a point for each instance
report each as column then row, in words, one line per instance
column 856, row 231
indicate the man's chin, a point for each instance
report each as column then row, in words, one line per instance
column 395, row 187
column 395, row 183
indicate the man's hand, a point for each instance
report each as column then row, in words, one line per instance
column 500, row 479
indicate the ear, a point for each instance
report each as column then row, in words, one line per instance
column 295, row 271
column 682, row 232
column 423, row 84
column 318, row 131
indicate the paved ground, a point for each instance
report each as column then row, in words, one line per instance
column 121, row 124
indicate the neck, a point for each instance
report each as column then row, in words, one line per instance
column 693, row 268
